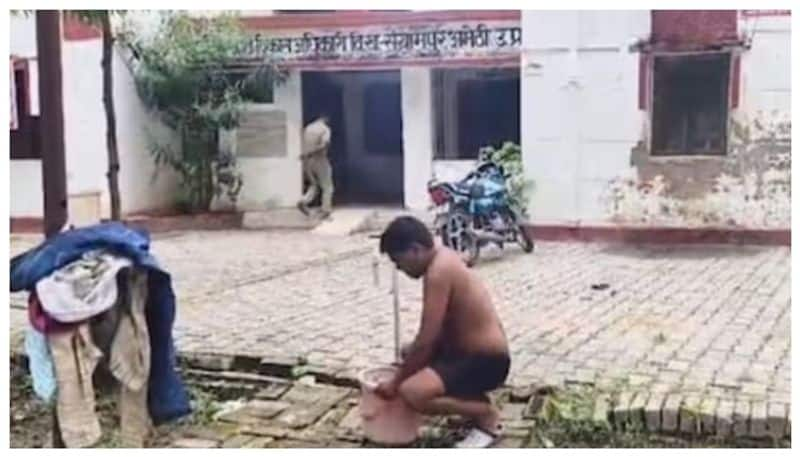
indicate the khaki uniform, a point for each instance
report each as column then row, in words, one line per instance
column 316, row 167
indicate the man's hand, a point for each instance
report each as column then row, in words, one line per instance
column 386, row 390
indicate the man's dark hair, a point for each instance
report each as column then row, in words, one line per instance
column 402, row 233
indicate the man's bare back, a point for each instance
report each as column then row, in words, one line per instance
column 471, row 324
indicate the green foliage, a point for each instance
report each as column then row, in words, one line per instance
column 95, row 17
column 509, row 156
column 569, row 405
column 189, row 72
column 204, row 406
column 569, row 419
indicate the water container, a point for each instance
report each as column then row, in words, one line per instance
column 390, row 422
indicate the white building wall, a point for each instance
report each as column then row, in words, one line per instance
column 143, row 186
column 25, row 188
column 277, row 182
column 85, row 130
column 609, row 120
column 84, row 121
column 547, row 124
column 141, row 189
column 581, row 120
column 766, row 68
column 452, row 170
column 579, row 108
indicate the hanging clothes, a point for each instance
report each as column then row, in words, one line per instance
column 81, row 289
column 129, row 360
column 121, row 334
column 41, row 321
column 130, row 349
column 75, row 358
column 121, row 344
column 167, row 396
column 40, row 364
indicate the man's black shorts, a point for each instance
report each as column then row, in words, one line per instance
column 471, row 375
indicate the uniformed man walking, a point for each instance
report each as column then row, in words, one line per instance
column 316, row 167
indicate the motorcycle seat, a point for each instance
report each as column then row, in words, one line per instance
column 459, row 188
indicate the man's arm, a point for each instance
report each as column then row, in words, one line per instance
column 436, row 296
column 325, row 137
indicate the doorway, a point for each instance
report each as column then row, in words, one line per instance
column 366, row 152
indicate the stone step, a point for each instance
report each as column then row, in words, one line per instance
column 279, row 218
column 345, row 222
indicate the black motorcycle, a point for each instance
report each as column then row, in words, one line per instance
column 476, row 211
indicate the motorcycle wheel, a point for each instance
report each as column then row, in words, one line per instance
column 456, row 237
column 519, row 233
column 524, row 240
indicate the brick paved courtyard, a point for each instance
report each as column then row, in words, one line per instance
column 679, row 323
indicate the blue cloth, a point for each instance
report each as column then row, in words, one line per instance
column 167, row 397
column 40, row 363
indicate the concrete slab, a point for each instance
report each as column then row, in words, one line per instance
column 345, row 221
column 281, row 218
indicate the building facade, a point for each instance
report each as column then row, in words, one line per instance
column 642, row 118
column 658, row 118
column 410, row 95
column 141, row 187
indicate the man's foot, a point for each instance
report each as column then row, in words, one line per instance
column 484, row 431
column 302, row 207
column 324, row 215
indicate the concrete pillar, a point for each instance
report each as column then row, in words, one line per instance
column 417, row 135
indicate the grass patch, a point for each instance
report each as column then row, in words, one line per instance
column 204, row 406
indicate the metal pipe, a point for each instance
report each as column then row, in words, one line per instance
column 396, row 300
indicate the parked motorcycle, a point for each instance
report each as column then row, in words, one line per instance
column 476, row 211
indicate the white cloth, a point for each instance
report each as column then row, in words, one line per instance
column 476, row 438
column 82, row 289
column 316, row 136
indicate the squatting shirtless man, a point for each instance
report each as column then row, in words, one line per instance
column 461, row 352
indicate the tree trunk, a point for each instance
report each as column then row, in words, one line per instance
column 51, row 134
column 208, row 165
column 111, row 119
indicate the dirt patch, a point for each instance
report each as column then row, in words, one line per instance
column 30, row 419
